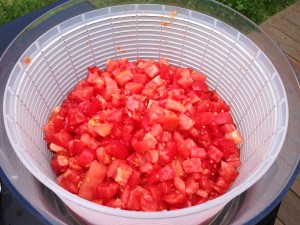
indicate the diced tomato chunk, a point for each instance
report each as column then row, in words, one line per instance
column 193, row 165
column 223, row 118
column 227, row 171
column 185, row 122
column 175, row 197
column 151, row 71
column 215, row 154
column 106, row 189
column 123, row 77
column 92, row 178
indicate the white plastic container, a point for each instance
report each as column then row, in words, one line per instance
column 235, row 66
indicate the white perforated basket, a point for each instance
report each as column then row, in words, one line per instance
column 235, row 66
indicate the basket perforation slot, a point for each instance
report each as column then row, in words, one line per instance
column 71, row 61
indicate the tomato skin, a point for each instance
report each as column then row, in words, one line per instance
column 174, row 197
column 106, row 190
column 204, row 118
column 61, row 138
column 70, row 180
column 86, row 157
column 117, row 149
column 59, row 163
column 171, row 121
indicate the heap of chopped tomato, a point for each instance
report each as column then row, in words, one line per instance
column 144, row 135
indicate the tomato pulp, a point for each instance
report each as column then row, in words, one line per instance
column 144, row 135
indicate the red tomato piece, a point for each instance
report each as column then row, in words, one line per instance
column 227, row 171
column 134, row 198
column 103, row 129
column 75, row 118
column 235, row 136
column 193, row 165
column 174, row 105
column 89, row 141
column 59, row 163
column 204, row 118
column 185, row 122
column 117, row 149
column 171, row 121
column 94, row 69
column 102, row 156
column 223, row 118
column 151, row 71
column 111, row 65
column 81, row 94
column 179, row 184
column 197, row 152
column 175, row 197
column 215, row 154
column 92, row 178
column 70, row 180
column 123, row 77
column 166, row 173
column 191, row 186
column 133, row 88
column 86, row 157
column 148, row 203
column 106, row 189
column 123, row 173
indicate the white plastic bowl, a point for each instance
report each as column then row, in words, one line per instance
column 235, row 66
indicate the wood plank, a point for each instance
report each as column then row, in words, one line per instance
column 289, row 209
column 296, row 5
column 278, row 222
column 291, row 14
column 288, row 45
column 285, row 26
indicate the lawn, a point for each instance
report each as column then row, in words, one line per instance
column 256, row 10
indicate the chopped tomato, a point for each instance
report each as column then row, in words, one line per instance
column 70, row 180
column 106, row 190
column 144, row 135
column 92, row 178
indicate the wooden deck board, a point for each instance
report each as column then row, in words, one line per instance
column 278, row 222
column 284, row 29
column 279, row 23
column 291, row 14
column 289, row 209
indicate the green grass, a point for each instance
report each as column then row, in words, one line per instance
column 12, row 9
column 256, row 10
